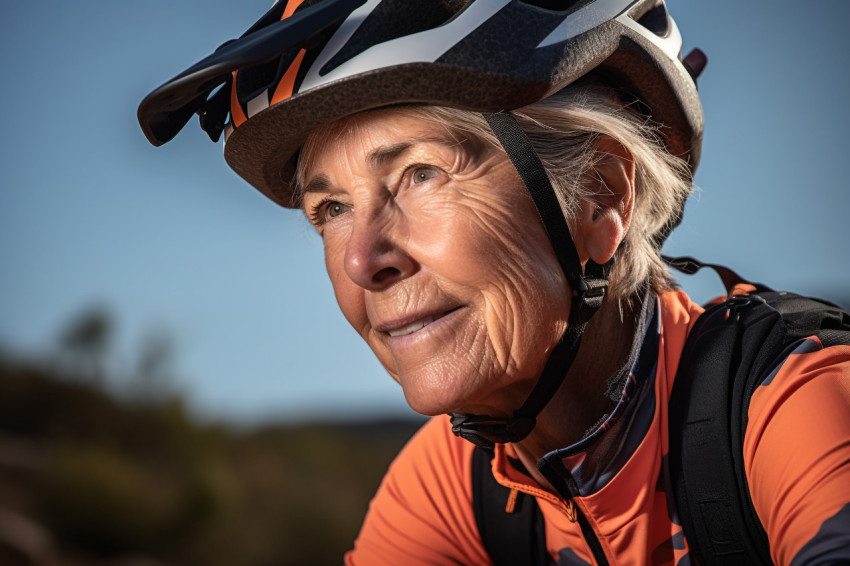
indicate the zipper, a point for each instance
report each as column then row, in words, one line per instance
column 589, row 535
column 565, row 486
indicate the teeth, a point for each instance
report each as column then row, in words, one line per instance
column 411, row 328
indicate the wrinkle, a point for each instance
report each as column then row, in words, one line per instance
column 477, row 242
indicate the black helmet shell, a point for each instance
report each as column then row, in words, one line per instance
column 479, row 55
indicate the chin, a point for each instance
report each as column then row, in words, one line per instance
column 427, row 405
column 431, row 400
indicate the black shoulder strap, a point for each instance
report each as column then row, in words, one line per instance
column 729, row 352
column 514, row 538
column 704, row 449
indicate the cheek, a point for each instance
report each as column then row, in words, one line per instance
column 493, row 240
column 351, row 299
column 497, row 247
column 349, row 296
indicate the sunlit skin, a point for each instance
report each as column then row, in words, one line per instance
column 420, row 228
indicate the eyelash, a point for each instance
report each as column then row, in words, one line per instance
column 317, row 212
column 412, row 169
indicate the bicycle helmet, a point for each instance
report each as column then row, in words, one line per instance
column 308, row 62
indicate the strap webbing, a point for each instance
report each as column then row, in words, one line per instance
column 512, row 537
column 588, row 293
column 484, row 431
column 689, row 266
column 533, row 174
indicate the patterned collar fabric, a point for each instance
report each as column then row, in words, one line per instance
column 591, row 462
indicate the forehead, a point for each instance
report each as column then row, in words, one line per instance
column 372, row 137
column 461, row 128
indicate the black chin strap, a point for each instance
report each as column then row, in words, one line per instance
column 588, row 293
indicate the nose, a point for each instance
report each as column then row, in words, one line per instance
column 375, row 258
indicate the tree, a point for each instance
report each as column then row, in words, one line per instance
column 154, row 364
column 87, row 340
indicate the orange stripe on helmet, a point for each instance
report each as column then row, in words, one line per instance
column 236, row 113
column 284, row 87
column 290, row 8
column 287, row 82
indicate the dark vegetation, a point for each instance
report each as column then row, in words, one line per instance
column 91, row 479
column 87, row 479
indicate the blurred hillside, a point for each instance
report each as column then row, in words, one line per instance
column 86, row 479
column 89, row 478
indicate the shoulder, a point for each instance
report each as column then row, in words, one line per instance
column 435, row 457
column 422, row 512
column 810, row 385
column 678, row 316
column 678, row 309
column 797, row 454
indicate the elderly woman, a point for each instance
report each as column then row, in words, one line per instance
column 492, row 181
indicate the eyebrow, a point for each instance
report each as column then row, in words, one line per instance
column 384, row 155
column 318, row 184
column 381, row 157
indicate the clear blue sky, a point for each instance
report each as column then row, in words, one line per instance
column 168, row 238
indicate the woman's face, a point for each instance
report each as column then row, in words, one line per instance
column 438, row 259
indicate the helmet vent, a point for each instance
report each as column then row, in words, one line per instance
column 656, row 20
column 251, row 81
column 392, row 19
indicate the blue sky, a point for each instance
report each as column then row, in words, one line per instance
column 169, row 239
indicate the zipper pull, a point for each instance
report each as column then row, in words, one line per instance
column 570, row 511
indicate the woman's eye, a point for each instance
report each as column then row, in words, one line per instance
column 326, row 211
column 334, row 209
column 422, row 174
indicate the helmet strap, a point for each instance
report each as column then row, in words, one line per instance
column 588, row 286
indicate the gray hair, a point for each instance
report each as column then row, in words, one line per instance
column 563, row 130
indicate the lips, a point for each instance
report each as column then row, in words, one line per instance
column 402, row 327
column 411, row 328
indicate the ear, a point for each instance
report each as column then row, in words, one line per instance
column 605, row 217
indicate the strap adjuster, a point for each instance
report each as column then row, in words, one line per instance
column 587, row 298
column 485, row 431
column 589, row 291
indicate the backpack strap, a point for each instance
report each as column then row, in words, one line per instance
column 706, row 446
column 509, row 522
column 690, row 266
column 730, row 351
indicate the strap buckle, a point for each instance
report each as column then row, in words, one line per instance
column 589, row 291
column 587, row 298
column 485, row 431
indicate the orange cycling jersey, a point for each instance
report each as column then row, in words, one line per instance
column 796, row 459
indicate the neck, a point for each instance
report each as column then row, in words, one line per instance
column 582, row 400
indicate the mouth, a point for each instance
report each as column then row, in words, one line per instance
column 411, row 328
column 418, row 324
